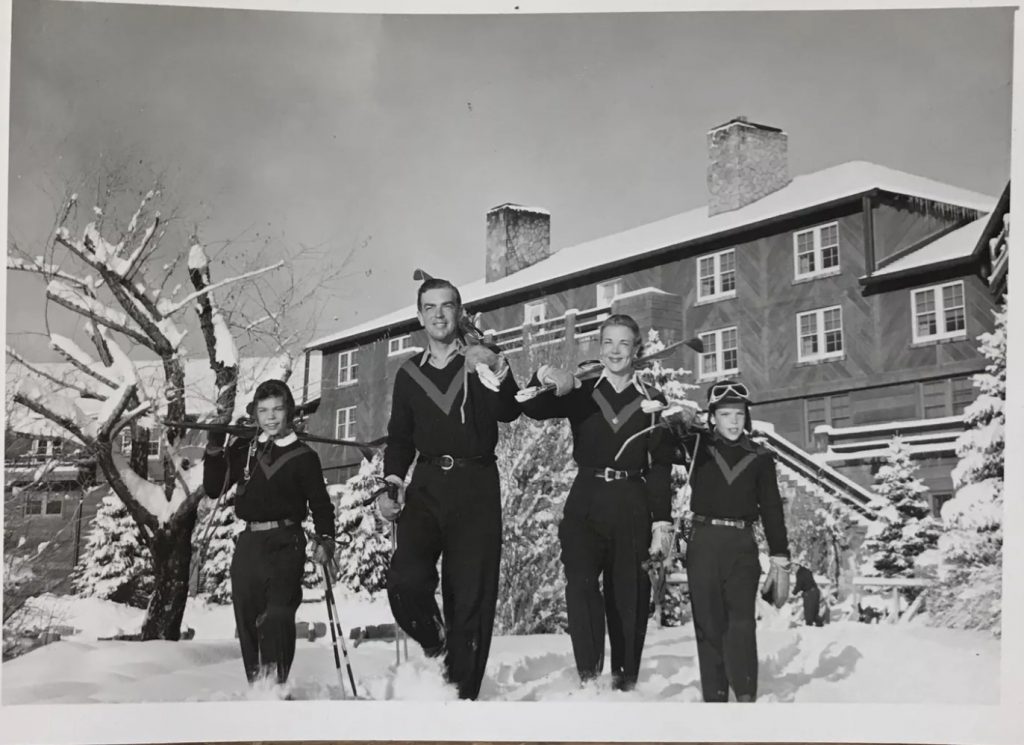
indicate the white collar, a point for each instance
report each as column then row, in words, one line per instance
column 288, row 439
column 458, row 348
column 634, row 380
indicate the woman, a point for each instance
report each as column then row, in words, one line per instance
column 606, row 530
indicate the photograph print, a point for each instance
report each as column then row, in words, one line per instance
column 591, row 358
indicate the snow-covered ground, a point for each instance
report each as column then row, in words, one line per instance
column 842, row 662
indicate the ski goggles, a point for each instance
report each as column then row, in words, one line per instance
column 728, row 390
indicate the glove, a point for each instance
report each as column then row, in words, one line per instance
column 775, row 589
column 489, row 380
column 661, row 540
column 651, row 406
column 563, row 380
column 391, row 499
column 323, row 554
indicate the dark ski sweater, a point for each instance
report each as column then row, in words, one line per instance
column 738, row 480
column 285, row 482
column 602, row 420
column 427, row 406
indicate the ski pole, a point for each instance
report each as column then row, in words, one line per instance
column 332, row 616
column 667, row 564
column 400, row 636
column 334, row 636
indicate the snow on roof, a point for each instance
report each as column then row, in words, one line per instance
column 956, row 244
column 820, row 187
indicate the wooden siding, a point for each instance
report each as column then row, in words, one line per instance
column 901, row 223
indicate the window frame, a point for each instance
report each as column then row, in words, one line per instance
column 817, row 252
column 716, row 276
column 349, row 424
column 939, row 311
column 406, row 338
column 820, row 336
column 616, row 284
column 351, row 366
column 719, row 352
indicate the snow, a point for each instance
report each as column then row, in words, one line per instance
column 151, row 496
column 197, row 257
column 90, row 306
column 225, row 350
column 957, row 244
column 837, row 182
column 841, row 662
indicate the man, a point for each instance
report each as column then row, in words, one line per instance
column 278, row 479
column 446, row 404
column 619, row 507
column 734, row 485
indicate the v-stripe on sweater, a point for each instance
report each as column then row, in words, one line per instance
column 427, row 407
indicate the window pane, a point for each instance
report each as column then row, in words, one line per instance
column 729, row 339
column 924, row 301
column 830, row 257
column 707, row 286
column 706, row 267
column 34, row 506
column 953, row 296
column 808, row 324
column 955, row 320
column 710, row 342
column 833, row 341
column 729, row 281
column 804, row 242
column 808, row 346
column 964, row 393
column 806, row 262
column 727, row 261
column 53, row 506
column 730, row 359
column 709, row 363
column 832, row 319
column 830, row 235
column 926, row 325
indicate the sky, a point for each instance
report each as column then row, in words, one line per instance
column 385, row 139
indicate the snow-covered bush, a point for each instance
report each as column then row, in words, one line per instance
column 971, row 545
column 115, row 564
column 905, row 528
column 215, row 567
column 364, row 538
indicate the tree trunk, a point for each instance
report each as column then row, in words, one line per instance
column 171, row 549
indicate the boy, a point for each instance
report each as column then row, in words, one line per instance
column 278, row 478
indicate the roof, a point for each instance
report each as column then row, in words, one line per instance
column 956, row 244
column 200, row 393
column 840, row 182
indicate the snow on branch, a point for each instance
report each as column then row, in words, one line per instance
column 58, row 409
column 129, row 264
column 80, row 389
column 38, row 266
column 171, row 308
column 92, row 308
column 74, row 354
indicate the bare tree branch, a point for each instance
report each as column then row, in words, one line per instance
column 171, row 310
column 53, row 416
column 81, row 390
column 76, row 304
column 58, row 345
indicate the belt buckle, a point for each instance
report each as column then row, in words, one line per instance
column 608, row 475
column 447, row 462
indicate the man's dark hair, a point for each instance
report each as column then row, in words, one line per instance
column 437, row 284
column 273, row 389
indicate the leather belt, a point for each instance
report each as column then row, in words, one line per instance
column 728, row 522
column 269, row 524
column 448, row 462
column 612, row 474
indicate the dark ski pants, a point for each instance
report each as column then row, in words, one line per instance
column 812, row 607
column 455, row 515
column 723, row 573
column 605, row 534
column 266, row 589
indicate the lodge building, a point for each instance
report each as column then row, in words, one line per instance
column 848, row 299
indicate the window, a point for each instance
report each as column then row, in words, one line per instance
column 606, row 292
column 964, row 394
column 820, row 334
column 47, row 447
column 939, row 312
column 126, row 442
column 44, row 504
column 817, row 414
column 720, row 356
column 534, row 313
column 816, row 251
column 347, row 367
column 398, row 345
column 716, row 276
column 933, row 395
column 345, row 423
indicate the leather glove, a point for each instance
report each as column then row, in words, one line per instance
column 775, row 589
column 324, row 554
column 563, row 380
column 392, row 499
column 661, row 540
column 478, row 354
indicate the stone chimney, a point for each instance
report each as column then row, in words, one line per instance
column 745, row 162
column 517, row 237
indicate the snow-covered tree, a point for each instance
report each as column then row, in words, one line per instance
column 905, row 528
column 214, row 565
column 112, row 269
column 972, row 542
column 364, row 538
column 115, row 564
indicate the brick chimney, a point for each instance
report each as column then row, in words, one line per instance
column 745, row 162
column 517, row 237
